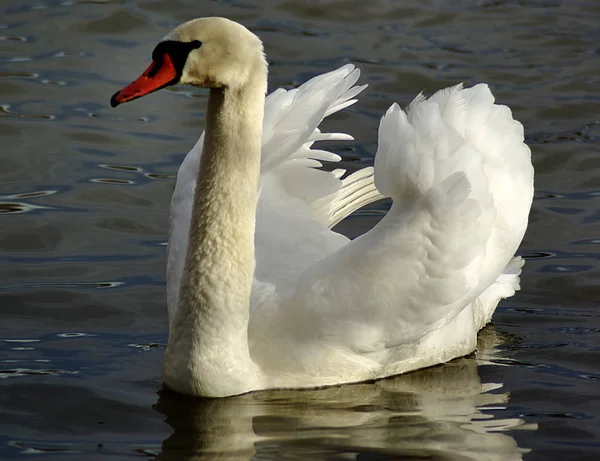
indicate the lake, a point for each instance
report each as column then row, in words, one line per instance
column 84, row 201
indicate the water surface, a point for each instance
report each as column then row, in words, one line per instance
column 84, row 198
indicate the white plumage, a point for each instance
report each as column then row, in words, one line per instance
column 410, row 293
column 326, row 310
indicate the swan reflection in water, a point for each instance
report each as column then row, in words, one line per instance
column 437, row 412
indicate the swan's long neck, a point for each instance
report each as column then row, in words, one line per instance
column 208, row 353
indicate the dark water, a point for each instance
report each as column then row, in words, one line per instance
column 85, row 193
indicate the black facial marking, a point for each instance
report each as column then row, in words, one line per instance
column 178, row 52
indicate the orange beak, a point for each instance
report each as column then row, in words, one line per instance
column 159, row 74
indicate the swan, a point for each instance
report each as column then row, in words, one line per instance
column 262, row 293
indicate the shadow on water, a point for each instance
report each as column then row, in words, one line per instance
column 437, row 413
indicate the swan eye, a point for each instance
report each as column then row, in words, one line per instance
column 178, row 51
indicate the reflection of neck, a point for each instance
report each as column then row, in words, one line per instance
column 208, row 428
column 208, row 353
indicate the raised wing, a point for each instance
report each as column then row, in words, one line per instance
column 461, row 180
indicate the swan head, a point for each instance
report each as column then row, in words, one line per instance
column 205, row 52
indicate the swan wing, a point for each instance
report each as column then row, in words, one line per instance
column 289, row 159
column 298, row 201
column 461, row 181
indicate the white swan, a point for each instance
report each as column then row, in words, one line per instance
column 262, row 293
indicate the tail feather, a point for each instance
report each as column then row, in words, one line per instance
column 504, row 287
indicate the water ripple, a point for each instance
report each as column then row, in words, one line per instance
column 5, row 112
column 19, row 372
column 74, row 334
column 122, row 168
column 143, row 174
column 13, row 74
column 13, row 38
column 19, row 207
column 147, row 347
column 36, row 450
column 13, row 204
column 112, row 181
column 21, row 340
column 82, row 285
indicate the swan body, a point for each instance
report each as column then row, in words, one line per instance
column 262, row 293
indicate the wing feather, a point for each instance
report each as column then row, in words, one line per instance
column 460, row 177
